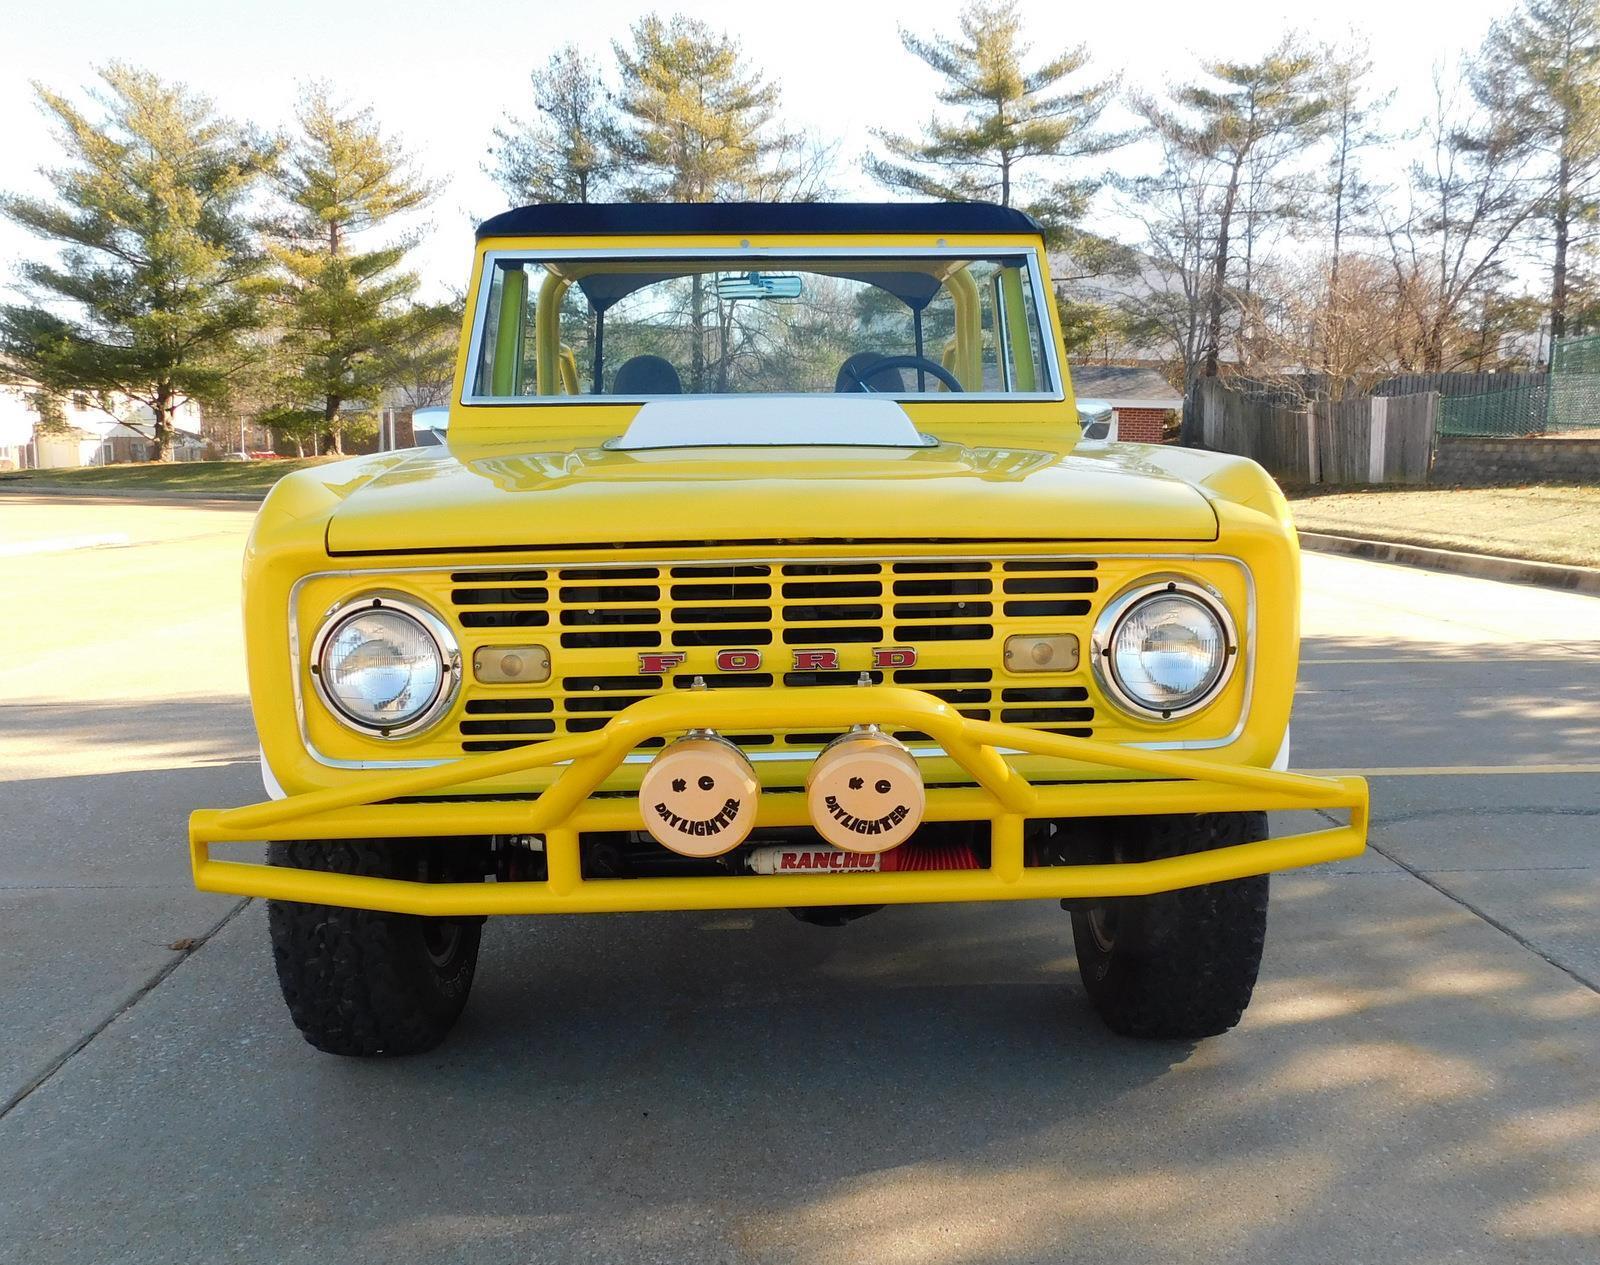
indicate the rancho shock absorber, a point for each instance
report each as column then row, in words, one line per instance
column 822, row 859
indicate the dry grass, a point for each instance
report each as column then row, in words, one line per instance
column 174, row 476
column 1545, row 522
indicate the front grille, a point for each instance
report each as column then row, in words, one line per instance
column 598, row 621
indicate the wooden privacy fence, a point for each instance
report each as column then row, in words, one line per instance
column 1367, row 439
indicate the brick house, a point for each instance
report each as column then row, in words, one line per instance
column 92, row 431
column 1141, row 400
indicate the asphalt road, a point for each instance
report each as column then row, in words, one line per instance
column 1417, row 1081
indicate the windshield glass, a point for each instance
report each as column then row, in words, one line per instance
column 627, row 328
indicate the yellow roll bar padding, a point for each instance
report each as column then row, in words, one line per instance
column 507, row 376
column 1169, row 782
column 969, row 327
column 547, row 327
column 569, row 370
column 1008, row 282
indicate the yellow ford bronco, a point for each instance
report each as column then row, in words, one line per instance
column 763, row 565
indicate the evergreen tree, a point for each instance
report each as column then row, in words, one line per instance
column 347, row 313
column 697, row 124
column 561, row 153
column 1011, row 118
column 425, row 368
column 157, row 277
column 1542, row 65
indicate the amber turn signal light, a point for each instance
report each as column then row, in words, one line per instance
column 1056, row 653
column 511, row 665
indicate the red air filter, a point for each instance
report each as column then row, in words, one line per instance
column 930, row 856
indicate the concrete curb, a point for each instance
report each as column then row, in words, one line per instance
column 1547, row 575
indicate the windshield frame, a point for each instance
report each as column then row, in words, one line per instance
column 1028, row 253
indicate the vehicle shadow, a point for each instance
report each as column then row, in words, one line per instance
column 931, row 1085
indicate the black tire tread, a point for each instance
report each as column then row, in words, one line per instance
column 1191, row 968
column 358, row 982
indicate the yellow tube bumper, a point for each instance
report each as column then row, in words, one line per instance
column 1162, row 782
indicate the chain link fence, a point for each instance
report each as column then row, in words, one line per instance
column 1520, row 410
column 1567, row 400
column 1575, row 385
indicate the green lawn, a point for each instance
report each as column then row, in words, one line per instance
column 176, row 476
column 1548, row 523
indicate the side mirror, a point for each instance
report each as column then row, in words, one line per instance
column 428, row 426
column 1097, row 418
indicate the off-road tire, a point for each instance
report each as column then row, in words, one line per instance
column 364, row 983
column 1178, row 965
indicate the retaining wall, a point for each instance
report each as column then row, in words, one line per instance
column 1489, row 461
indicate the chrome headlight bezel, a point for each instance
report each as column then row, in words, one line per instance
column 1114, row 615
column 444, row 643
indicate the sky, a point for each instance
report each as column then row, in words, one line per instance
column 440, row 75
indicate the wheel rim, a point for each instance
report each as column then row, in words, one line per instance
column 441, row 937
column 1102, row 922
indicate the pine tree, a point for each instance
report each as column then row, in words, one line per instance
column 346, row 312
column 1011, row 118
column 561, row 154
column 1542, row 65
column 697, row 124
column 157, row 270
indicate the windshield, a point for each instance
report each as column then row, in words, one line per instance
column 936, row 326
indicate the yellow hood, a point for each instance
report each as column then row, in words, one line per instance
column 434, row 499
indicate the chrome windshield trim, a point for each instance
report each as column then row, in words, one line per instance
column 1047, row 331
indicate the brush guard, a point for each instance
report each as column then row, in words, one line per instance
column 1161, row 782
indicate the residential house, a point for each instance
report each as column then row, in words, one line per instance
column 89, row 435
column 1141, row 400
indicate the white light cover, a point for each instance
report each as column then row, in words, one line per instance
column 1169, row 652
column 382, row 668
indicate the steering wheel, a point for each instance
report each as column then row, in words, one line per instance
column 903, row 362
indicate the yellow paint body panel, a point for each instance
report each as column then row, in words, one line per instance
column 528, row 490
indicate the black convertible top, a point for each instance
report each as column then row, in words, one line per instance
column 600, row 219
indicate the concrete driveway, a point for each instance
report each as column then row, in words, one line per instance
column 1417, row 1081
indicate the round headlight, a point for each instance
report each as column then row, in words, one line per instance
column 1164, row 650
column 387, row 666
